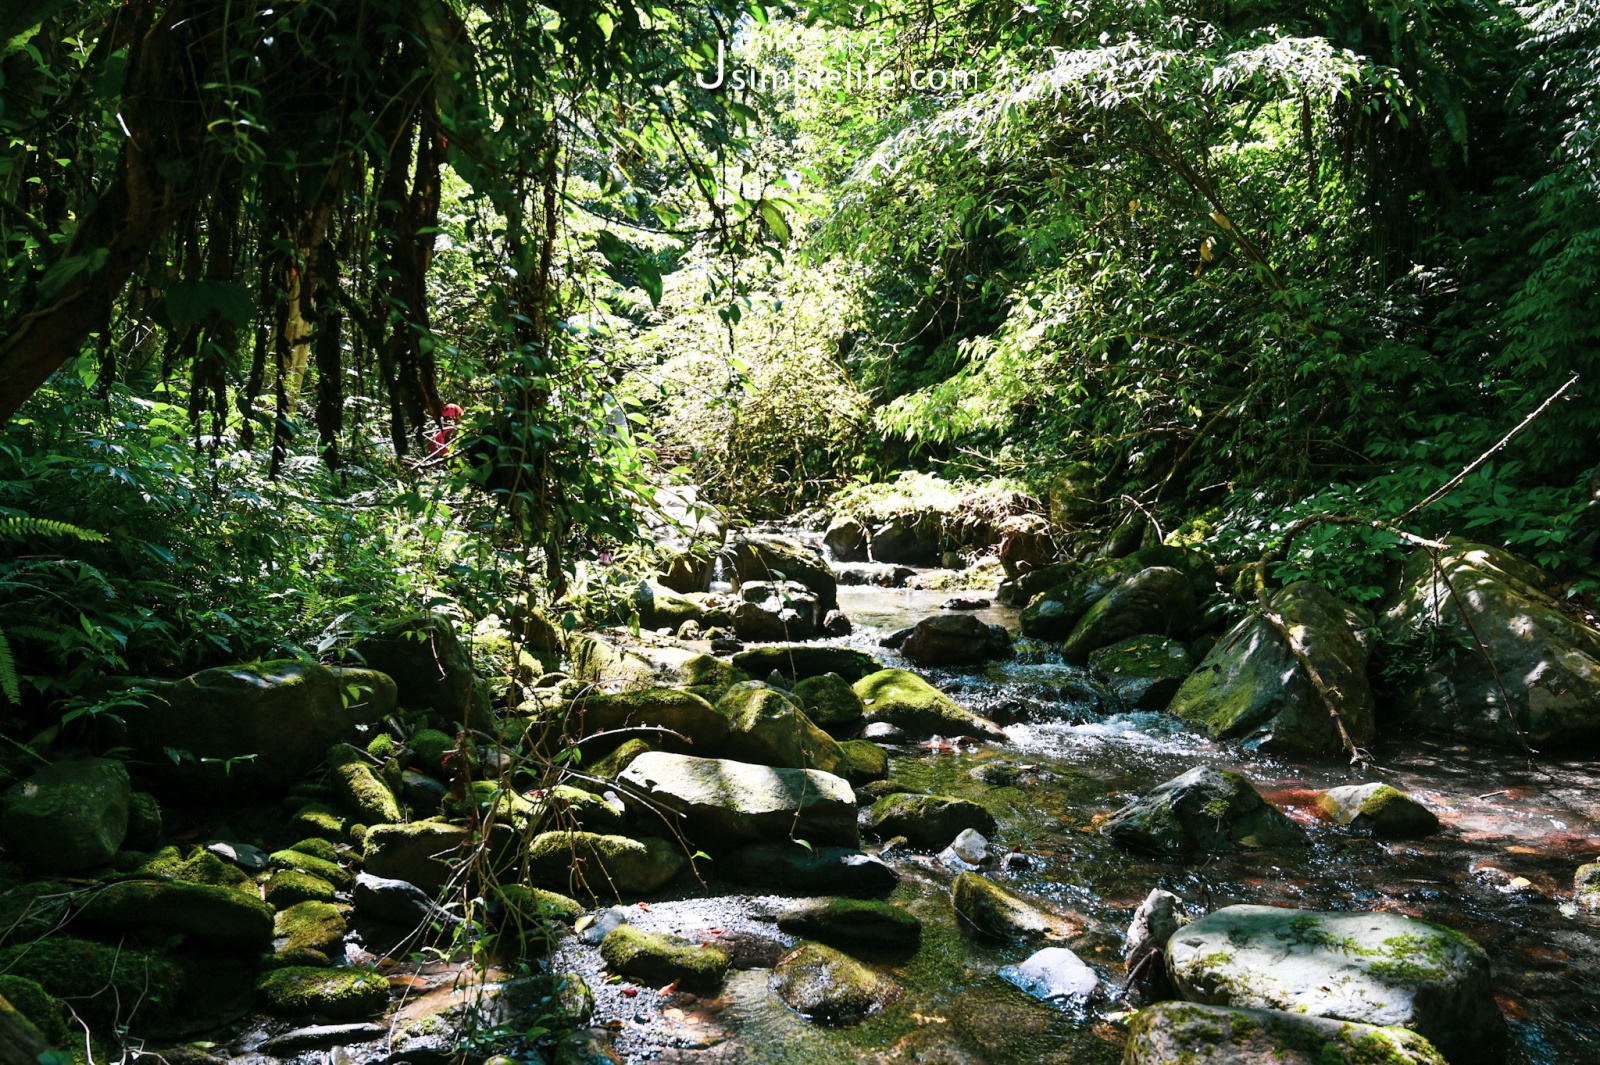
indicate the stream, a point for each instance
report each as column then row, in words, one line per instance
column 1500, row 870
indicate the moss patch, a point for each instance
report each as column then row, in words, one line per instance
column 102, row 981
column 333, row 873
column 286, row 887
column 655, row 959
column 310, row 926
column 46, row 1012
column 338, row 994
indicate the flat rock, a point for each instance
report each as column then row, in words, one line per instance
column 993, row 911
column 1181, row 1033
column 798, row 661
column 1371, row 968
column 726, row 803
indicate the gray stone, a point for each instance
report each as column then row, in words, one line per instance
column 596, row 661
column 250, row 859
column 776, row 610
column 68, row 816
column 1154, row 922
column 910, row 539
column 1157, row 600
column 322, row 1036
column 928, row 821
column 792, row 869
column 1377, row 810
column 1182, row 1033
column 421, row 852
column 1206, row 811
column 1054, row 975
column 777, row 558
column 846, row 540
column 395, row 901
column 953, row 640
column 725, row 803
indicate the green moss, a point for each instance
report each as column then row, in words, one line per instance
column 102, row 981
column 286, row 887
column 199, row 867
column 383, row 747
column 338, row 994
column 33, row 908
column 317, row 848
column 655, row 959
column 311, row 926
column 318, row 819
column 829, row 701
column 864, row 762
column 611, row 766
column 429, row 748
column 168, row 907
column 46, row 1012
column 537, row 902
column 334, row 874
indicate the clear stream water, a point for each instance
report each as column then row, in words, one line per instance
column 1500, row 870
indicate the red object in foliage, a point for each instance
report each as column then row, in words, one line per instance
column 440, row 441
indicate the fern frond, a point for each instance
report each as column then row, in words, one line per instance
column 15, row 528
column 10, row 683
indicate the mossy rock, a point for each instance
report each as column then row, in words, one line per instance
column 337, row 994
column 917, row 708
column 987, row 908
column 710, row 678
column 1204, row 811
column 286, row 887
column 1143, row 672
column 310, row 926
column 332, row 872
column 1586, row 887
column 200, row 866
column 144, row 822
column 429, row 748
column 853, row 924
column 588, row 864
column 830, row 701
column 678, row 711
column 928, row 821
column 67, row 816
column 361, row 789
column 1377, row 810
column 419, row 852
column 384, row 747
column 531, row 903
column 195, row 911
column 767, row 727
column 657, row 960
column 320, row 820
column 864, row 762
column 611, row 766
column 317, row 848
column 799, row 661
column 42, row 1009
column 1177, row 1033
column 429, row 665
column 829, row 987
column 34, row 908
column 100, row 980
column 594, row 661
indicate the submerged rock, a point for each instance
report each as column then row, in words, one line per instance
column 1055, row 975
column 790, row 868
column 657, row 959
column 337, row 994
column 1207, row 811
column 928, row 821
column 766, row 726
column 1142, row 672
column 853, row 924
column 1372, row 968
column 1156, row 600
column 587, row 864
column 954, row 640
column 917, row 708
column 1251, row 687
column 724, row 803
column 1377, row 810
column 1179, row 1033
column 990, row 909
column 67, row 816
column 828, row 987
column 800, row 661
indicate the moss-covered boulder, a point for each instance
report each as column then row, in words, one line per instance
column 789, row 868
column 725, row 803
column 864, row 762
column 286, row 887
column 776, row 558
column 853, row 924
column 928, row 821
column 657, row 959
column 799, row 661
column 1377, row 810
column 680, row 712
column 1543, row 657
column 767, row 727
column 917, row 708
column 987, row 908
column 37, row 1006
column 1586, row 887
column 828, row 987
column 321, row 820
column 311, row 927
column 145, row 829
column 101, row 979
column 1204, row 811
column 361, row 789
column 1370, row 968
column 199, row 866
column 419, row 853
column 587, row 865
column 1250, row 686
column 659, row 607
column 1181, row 1033
column 1142, row 672
column 430, row 748
column 430, row 667
column 282, row 715
column 1158, row 600
column 610, row 766
column 830, row 702
column 209, row 914
column 68, row 816
column 306, row 862
column 346, row 994
column 708, row 677
column 1052, row 612
column 595, row 661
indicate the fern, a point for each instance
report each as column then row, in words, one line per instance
column 10, row 682
column 16, row 528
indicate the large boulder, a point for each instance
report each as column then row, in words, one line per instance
column 1251, row 687
column 251, row 730
column 677, row 711
column 1181, row 1033
column 954, row 640
column 1142, row 672
column 68, row 816
column 828, row 987
column 830, row 702
column 1370, row 968
column 420, row 853
column 847, row 540
column 660, row 607
column 769, row 611
column 793, row 869
column 767, row 727
column 776, row 559
column 799, row 661
column 430, row 667
column 657, row 959
column 917, row 708
column 1053, row 612
column 927, row 821
column 1543, row 658
column 910, row 539
column 587, row 864
column 1158, row 600
column 724, row 803
column 219, row 915
column 708, row 677
column 596, row 661
column 1204, row 811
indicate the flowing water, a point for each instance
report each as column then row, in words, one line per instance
column 1514, row 830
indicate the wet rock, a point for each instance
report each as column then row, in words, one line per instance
column 337, row 994
column 1548, row 661
column 876, row 574
column 909, row 539
column 988, row 908
column 928, row 821
column 965, row 602
column 430, row 667
column 675, row 710
column 836, row 624
column 1377, row 810
column 917, row 708
column 395, row 901
column 585, row 864
column 828, row 987
column 1177, row 1033
column 830, row 702
column 251, row 859
column 766, row 726
column 321, row 1037
column 1251, row 688
column 1207, row 811
column 710, row 678
column 775, row 610
column 853, row 924
column 883, row 732
column 1156, row 600
column 1154, row 922
column 1055, row 975
column 1370, row 968
column 800, row 661
column 953, row 640
column 595, row 661
column 289, row 886
column 846, row 540
column 776, row 558
column 604, row 923
column 209, row 914
column 420, row 852
column 310, row 926
column 657, row 960
column 896, row 639
column 360, row 789
column 1054, row 611
column 1586, row 887
column 587, row 1046
column 790, row 868
column 1021, row 590
column 68, row 816
column 422, row 793
column 864, row 762
column 970, row 847
column 724, row 803
column 1142, row 672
